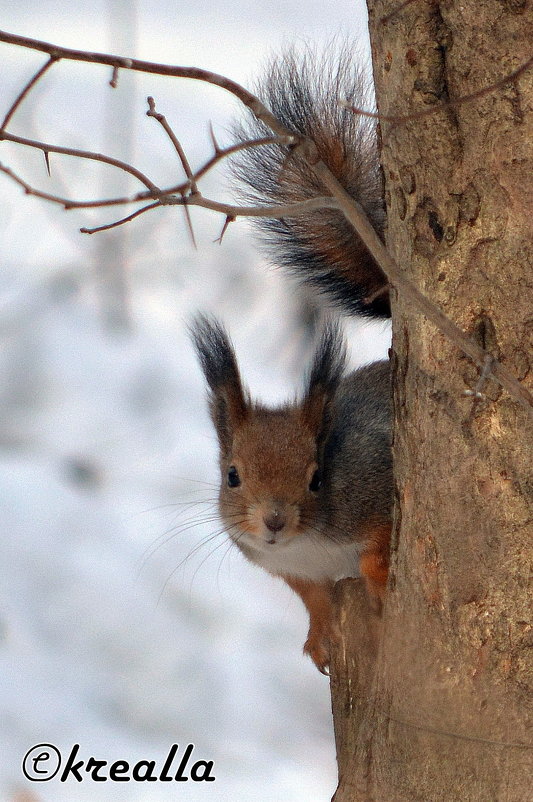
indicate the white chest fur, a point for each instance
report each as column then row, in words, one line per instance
column 308, row 555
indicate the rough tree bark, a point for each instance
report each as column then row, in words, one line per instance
column 439, row 709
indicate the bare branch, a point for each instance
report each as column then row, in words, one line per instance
column 29, row 190
column 175, row 196
column 67, row 203
column 340, row 198
column 81, row 154
column 119, row 62
column 122, row 221
column 287, row 210
column 155, row 191
column 26, row 89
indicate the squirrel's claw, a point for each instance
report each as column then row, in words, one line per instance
column 318, row 650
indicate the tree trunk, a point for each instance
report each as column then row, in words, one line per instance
column 442, row 712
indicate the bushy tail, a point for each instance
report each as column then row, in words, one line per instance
column 303, row 92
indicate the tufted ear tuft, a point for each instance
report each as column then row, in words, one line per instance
column 228, row 402
column 324, row 378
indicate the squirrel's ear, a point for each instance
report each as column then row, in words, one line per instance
column 227, row 400
column 326, row 373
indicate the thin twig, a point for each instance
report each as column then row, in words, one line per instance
column 193, row 189
column 448, row 734
column 122, row 221
column 29, row 190
column 223, row 153
column 401, row 119
column 80, row 154
column 67, row 203
column 162, row 120
column 31, row 83
column 113, row 81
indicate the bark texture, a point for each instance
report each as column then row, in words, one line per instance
column 444, row 714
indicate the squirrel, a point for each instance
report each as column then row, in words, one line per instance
column 306, row 489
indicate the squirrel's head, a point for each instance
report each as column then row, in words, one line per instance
column 270, row 459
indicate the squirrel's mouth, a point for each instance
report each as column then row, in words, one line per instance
column 275, row 538
column 269, row 526
column 278, row 539
column 265, row 540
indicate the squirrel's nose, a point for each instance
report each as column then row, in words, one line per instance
column 274, row 522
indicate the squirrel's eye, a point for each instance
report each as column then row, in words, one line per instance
column 316, row 482
column 233, row 477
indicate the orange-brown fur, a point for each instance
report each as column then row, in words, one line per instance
column 374, row 561
column 318, row 600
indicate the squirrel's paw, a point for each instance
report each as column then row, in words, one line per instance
column 318, row 647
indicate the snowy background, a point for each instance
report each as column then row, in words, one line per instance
column 123, row 626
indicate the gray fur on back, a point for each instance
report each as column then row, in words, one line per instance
column 357, row 474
